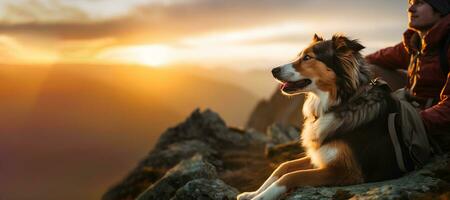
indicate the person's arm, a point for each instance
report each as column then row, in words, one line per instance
column 437, row 117
column 395, row 57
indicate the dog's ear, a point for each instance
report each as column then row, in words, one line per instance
column 343, row 44
column 317, row 38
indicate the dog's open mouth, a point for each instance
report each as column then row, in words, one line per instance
column 294, row 86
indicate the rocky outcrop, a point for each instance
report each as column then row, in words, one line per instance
column 279, row 109
column 186, row 171
column 202, row 158
column 205, row 189
column 200, row 151
column 282, row 134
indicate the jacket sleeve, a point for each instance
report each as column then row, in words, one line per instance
column 395, row 57
column 437, row 117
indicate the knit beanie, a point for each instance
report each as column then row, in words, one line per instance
column 442, row 6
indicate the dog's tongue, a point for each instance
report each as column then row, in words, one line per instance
column 297, row 84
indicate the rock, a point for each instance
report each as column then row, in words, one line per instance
column 278, row 109
column 206, row 126
column 173, row 153
column 205, row 134
column 137, row 181
column 411, row 186
column 283, row 143
column 155, row 165
column 251, row 136
column 175, row 178
column 206, row 189
column 282, row 134
column 283, row 152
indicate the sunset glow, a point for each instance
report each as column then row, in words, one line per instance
column 151, row 55
column 265, row 32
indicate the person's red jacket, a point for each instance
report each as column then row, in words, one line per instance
column 431, row 82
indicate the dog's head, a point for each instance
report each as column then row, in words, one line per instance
column 325, row 65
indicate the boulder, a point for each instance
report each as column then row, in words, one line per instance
column 206, row 189
column 177, row 177
column 173, row 153
column 282, row 109
column 282, row 134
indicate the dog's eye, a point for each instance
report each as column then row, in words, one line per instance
column 306, row 57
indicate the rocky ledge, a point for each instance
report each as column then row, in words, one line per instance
column 202, row 158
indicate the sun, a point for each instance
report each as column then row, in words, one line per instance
column 153, row 55
column 150, row 55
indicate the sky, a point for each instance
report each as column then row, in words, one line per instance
column 239, row 34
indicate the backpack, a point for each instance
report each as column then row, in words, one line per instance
column 412, row 146
column 408, row 135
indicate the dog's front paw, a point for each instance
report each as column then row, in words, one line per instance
column 246, row 195
column 258, row 197
column 271, row 193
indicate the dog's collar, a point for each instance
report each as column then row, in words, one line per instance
column 372, row 83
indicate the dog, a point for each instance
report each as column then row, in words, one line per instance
column 345, row 131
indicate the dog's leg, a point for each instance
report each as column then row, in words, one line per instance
column 284, row 168
column 342, row 170
column 309, row 177
column 312, row 177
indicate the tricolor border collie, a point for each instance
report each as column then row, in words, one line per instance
column 345, row 132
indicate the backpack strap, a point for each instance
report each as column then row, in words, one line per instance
column 443, row 55
column 396, row 142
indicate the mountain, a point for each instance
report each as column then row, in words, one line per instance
column 67, row 131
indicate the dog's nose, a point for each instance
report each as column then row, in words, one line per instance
column 276, row 70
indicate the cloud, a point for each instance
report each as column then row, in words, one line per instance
column 34, row 11
column 59, row 11
column 13, row 50
column 197, row 30
column 161, row 21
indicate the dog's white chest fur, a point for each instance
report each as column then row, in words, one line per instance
column 322, row 156
column 313, row 134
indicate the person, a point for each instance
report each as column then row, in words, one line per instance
column 428, row 86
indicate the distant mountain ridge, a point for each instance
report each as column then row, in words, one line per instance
column 259, row 82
